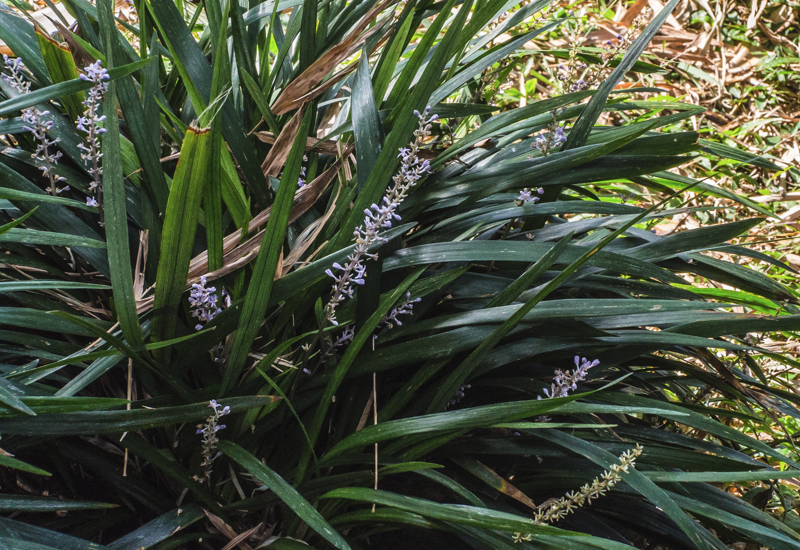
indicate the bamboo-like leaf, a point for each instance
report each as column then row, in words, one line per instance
column 180, row 225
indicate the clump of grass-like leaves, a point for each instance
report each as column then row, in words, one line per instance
column 286, row 275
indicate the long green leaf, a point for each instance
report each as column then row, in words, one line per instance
column 180, row 225
column 116, row 422
column 114, row 199
column 286, row 492
column 261, row 283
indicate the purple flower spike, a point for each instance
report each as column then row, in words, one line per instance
column 380, row 216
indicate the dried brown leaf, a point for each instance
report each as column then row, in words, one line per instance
column 277, row 156
column 306, row 85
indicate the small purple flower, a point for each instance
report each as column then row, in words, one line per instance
column 91, row 122
column 209, row 432
column 406, row 308
column 566, row 381
column 91, row 201
column 460, row 393
column 378, row 217
column 204, row 305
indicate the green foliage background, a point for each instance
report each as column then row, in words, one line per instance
column 509, row 294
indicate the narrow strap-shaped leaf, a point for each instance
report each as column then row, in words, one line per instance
column 286, row 492
column 51, row 238
column 261, row 283
column 470, row 515
column 8, row 391
column 461, row 374
column 159, row 529
column 457, row 378
column 62, row 68
column 139, row 446
column 418, row 57
column 13, row 463
column 367, row 129
column 176, row 384
column 512, row 291
column 180, row 225
column 308, row 35
column 26, row 503
column 391, row 54
column 212, row 194
column 475, row 417
column 5, row 228
column 404, row 125
column 116, row 217
column 189, row 54
column 115, row 422
column 498, row 53
column 25, row 532
column 18, row 35
column 14, row 195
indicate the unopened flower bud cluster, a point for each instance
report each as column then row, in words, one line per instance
column 575, row 499
column 378, row 218
column 301, row 182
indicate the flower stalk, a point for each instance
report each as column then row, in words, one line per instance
column 209, row 432
column 564, row 506
column 92, row 124
column 36, row 124
column 376, row 218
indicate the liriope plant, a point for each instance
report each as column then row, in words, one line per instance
column 284, row 275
